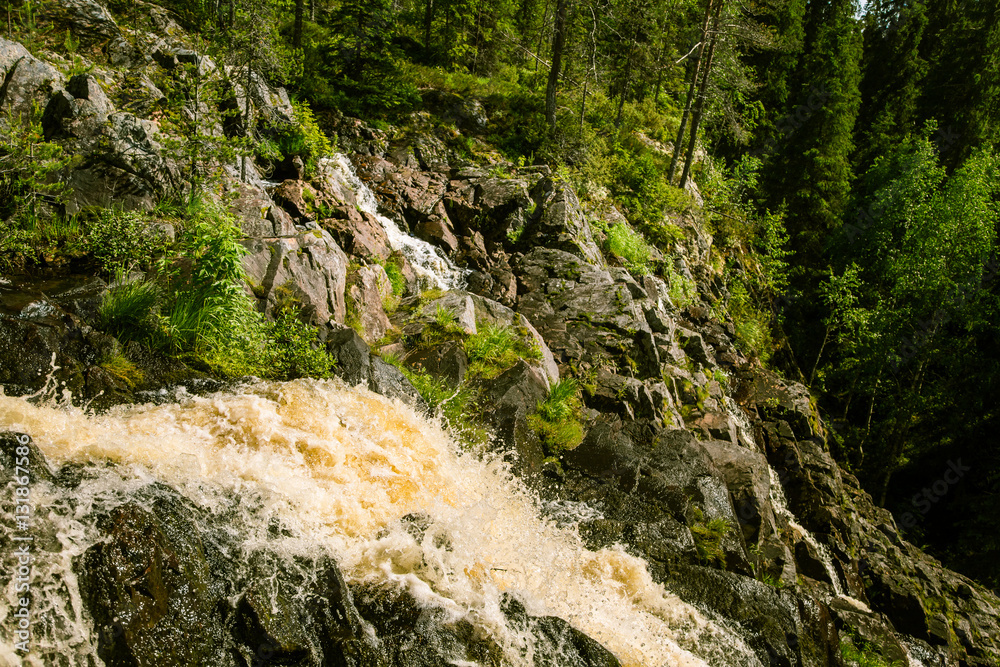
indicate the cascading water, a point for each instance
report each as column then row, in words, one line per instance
column 780, row 506
column 429, row 262
column 339, row 468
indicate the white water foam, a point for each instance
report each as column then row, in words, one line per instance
column 339, row 468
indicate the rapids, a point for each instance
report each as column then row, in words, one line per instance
column 339, row 467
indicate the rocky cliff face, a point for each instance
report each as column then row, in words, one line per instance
column 712, row 469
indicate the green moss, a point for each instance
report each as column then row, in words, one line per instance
column 122, row 368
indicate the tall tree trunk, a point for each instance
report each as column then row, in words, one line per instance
column 699, row 109
column 691, row 89
column 300, row 7
column 558, row 43
column 428, row 24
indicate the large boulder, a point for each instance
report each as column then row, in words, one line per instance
column 562, row 224
column 78, row 112
column 27, row 81
column 309, row 268
column 88, row 20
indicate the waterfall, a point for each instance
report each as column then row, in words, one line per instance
column 780, row 506
column 339, row 468
column 430, row 263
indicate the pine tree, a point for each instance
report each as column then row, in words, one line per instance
column 810, row 173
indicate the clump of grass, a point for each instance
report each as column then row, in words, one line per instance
column 708, row 536
column 127, row 311
column 122, row 368
column 865, row 656
column 557, row 418
column 494, row 348
column 453, row 406
column 630, row 246
column 443, row 327
column 396, row 278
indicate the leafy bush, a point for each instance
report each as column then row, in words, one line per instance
column 296, row 348
column 494, row 348
column 305, row 139
column 865, row 656
column 557, row 418
column 120, row 240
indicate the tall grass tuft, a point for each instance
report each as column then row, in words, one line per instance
column 557, row 418
column 494, row 348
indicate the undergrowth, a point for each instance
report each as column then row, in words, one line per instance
column 557, row 418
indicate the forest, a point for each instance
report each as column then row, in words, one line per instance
column 844, row 158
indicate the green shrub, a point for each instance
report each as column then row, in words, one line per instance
column 557, row 418
column 494, row 348
column 120, row 240
column 305, row 139
column 865, row 656
column 630, row 245
column 296, row 348
column 708, row 538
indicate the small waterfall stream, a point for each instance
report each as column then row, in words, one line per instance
column 429, row 262
column 339, row 467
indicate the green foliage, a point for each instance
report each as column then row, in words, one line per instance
column 557, row 418
column 394, row 270
column 121, row 240
column 128, row 311
column 305, row 139
column 123, row 369
column 708, row 536
column 454, row 406
column 866, row 656
column 630, row 246
column 912, row 280
column 295, row 347
column 494, row 348
column 30, row 189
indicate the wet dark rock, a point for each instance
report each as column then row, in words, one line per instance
column 447, row 361
column 146, row 587
column 556, row 642
column 356, row 365
column 33, row 464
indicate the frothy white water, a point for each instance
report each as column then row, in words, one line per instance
column 780, row 505
column 429, row 262
column 339, row 468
